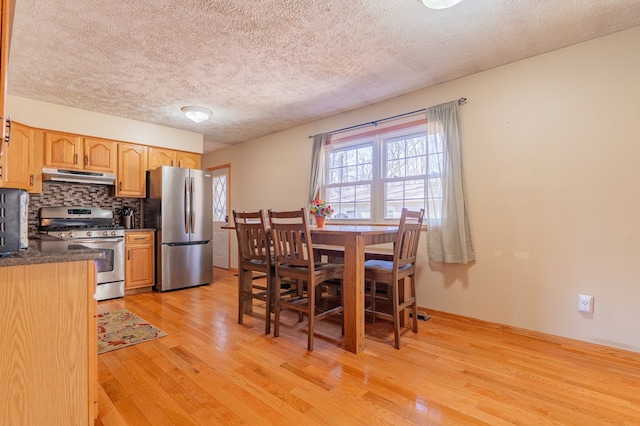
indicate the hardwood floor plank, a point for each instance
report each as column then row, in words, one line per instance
column 210, row 370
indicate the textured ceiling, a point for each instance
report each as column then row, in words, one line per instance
column 269, row 65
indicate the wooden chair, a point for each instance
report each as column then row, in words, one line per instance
column 294, row 260
column 254, row 254
column 393, row 272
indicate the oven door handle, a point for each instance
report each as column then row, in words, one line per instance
column 99, row 240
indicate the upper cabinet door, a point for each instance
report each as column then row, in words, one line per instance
column 188, row 160
column 132, row 171
column 63, row 150
column 100, row 155
column 17, row 161
column 7, row 8
column 159, row 157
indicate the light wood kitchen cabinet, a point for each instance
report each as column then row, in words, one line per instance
column 63, row 150
column 188, row 160
column 6, row 25
column 100, row 155
column 132, row 171
column 159, row 157
column 75, row 152
column 48, row 355
column 168, row 157
column 17, row 164
column 139, row 260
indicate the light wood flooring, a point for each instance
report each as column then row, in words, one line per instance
column 210, row 370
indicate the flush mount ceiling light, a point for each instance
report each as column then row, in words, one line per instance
column 440, row 4
column 196, row 113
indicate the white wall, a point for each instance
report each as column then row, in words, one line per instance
column 550, row 147
column 57, row 117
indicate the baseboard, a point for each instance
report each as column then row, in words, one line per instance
column 552, row 338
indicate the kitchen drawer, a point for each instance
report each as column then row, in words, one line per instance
column 138, row 237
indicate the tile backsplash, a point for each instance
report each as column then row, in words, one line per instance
column 76, row 194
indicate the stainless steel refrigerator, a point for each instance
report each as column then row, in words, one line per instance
column 179, row 205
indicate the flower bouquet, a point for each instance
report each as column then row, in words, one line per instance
column 321, row 210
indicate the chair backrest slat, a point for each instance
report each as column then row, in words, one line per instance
column 406, row 246
column 290, row 232
column 253, row 236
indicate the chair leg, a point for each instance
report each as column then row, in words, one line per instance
column 300, row 289
column 311, row 314
column 276, row 307
column 342, row 303
column 269, row 300
column 396, row 315
column 414, row 306
column 372, row 295
column 240, row 300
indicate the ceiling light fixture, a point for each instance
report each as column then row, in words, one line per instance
column 440, row 4
column 196, row 113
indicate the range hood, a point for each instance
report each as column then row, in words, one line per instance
column 78, row 176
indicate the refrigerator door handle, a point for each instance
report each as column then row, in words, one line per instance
column 186, row 203
column 193, row 208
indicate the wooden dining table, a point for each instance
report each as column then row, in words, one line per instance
column 354, row 239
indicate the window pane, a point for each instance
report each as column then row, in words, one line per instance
column 416, row 166
column 405, row 193
column 347, row 168
column 395, row 150
column 395, row 168
column 385, row 173
column 350, row 202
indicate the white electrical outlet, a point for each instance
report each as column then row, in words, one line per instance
column 585, row 303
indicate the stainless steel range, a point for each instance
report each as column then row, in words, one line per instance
column 91, row 227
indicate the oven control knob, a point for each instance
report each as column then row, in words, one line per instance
column 113, row 233
column 70, row 235
column 105, row 233
column 89, row 233
column 60, row 234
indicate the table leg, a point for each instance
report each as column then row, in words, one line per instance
column 353, row 289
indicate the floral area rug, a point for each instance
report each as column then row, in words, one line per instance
column 119, row 329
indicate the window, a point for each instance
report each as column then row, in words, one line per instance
column 370, row 177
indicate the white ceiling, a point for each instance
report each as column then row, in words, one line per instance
column 263, row 66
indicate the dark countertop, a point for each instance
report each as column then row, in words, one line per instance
column 47, row 249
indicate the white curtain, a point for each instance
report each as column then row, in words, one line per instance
column 448, row 232
column 317, row 165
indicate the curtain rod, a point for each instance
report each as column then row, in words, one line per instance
column 461, row 101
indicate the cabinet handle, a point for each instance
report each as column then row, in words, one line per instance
column 120, row 186
column 86, row 159
column 128, row 254
column 31, row 180
column 171, row 163
column 7, row 138
column 75, row 159
column 180, row 163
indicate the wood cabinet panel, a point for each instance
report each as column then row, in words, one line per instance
column 48, row 343
column 140, row 259
column 63, row 150
column 188, row 160
column 132, row 166
column 17, row 163
column 159, row 157
column 168, row 157
column 100, row 155
column 6, row 24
